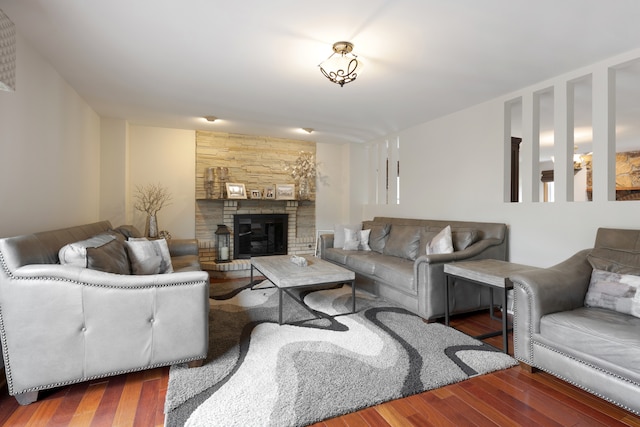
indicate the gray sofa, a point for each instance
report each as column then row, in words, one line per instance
column 62, row 324
column 595, row 346
column 397, row 267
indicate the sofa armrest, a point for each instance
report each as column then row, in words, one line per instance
column 544, row 291
column 326, row 242
column 180, row 247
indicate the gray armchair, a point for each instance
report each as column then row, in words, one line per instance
column 591, row 347
column 61, row 324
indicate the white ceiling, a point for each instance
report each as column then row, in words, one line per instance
column 254, row 63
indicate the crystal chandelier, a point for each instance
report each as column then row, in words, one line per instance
column 342, row 66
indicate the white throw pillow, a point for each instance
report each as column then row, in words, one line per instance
column 149, row 256
column 364, row 240
column 356, row 240
column 339, row 235
column 441, row 243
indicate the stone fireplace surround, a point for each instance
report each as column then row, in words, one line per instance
column 257, row 162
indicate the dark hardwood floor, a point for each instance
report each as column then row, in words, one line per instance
column 512, row 397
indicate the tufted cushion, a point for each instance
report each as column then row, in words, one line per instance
column 403, row 242
column 110, row 257
column 149, row 256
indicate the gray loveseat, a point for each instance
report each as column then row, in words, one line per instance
column 397, row 267
column 62, row 324
column 594, row 346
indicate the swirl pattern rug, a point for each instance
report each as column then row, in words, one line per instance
column 323, row 363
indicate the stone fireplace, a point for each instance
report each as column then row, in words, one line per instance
column 258, row 163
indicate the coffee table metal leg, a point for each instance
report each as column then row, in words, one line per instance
column 353, row 296
column 505, row 331
column 280, row 291
column 446, row 300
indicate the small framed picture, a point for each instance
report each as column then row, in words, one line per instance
column 235, row 191
column 269, row 192
column 285, row 192
column 256, row 194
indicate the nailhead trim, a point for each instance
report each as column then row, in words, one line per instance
column 594, row 367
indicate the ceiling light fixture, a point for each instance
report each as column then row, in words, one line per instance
column 210, row 118
column 308, row 130
column 342, row 66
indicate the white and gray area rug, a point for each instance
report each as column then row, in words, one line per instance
column 315, row 367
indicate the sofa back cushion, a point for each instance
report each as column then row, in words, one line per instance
column 378, row 235
column 616, row 250
column 403, row 242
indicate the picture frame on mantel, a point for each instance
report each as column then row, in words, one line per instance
column 256, row 194
column 269, row 192
column 235, row 190
column 285, row 192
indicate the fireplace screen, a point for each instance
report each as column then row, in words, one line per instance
column 260, row 235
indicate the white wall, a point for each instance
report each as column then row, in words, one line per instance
column 167, row 157
column 49, row 151
column 114, row 174
column 453, row 168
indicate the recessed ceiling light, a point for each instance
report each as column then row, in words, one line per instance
column 210, row 118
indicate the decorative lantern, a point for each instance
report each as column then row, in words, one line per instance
column 223, row 242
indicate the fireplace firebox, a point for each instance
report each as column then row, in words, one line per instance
column 259, row 235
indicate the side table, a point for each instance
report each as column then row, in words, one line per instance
column 492, row 273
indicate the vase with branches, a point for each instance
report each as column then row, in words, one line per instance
column 150, row 199
column 303, row 171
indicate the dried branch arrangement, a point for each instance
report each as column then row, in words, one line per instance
column 151, row 198
column 303, row 167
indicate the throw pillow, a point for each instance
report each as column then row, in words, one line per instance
column 614, row 291
column 403, row 242
column 75, row 254
column 426, row 236
column 149, row 256
column 339, row 233
column 441, row 243
column 110, row 257
column 356, row 240
column 378, row 236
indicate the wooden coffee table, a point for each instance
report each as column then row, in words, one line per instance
column 286, row 275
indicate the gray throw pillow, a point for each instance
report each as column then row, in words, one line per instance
column 378, row 236
column 110, row 257
column 149, row 256
column 403, row 242
column 75, row 254
column 614, row 291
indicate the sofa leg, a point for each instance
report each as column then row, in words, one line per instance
column 530, row 369
column 196, row 363
column 26, row 398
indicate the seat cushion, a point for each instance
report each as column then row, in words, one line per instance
column 397, row 272
column 363, row 262
column 601, row 333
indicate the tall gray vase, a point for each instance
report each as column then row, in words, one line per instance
column 151, row 226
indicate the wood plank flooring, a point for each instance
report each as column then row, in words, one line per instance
column 511, row 397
